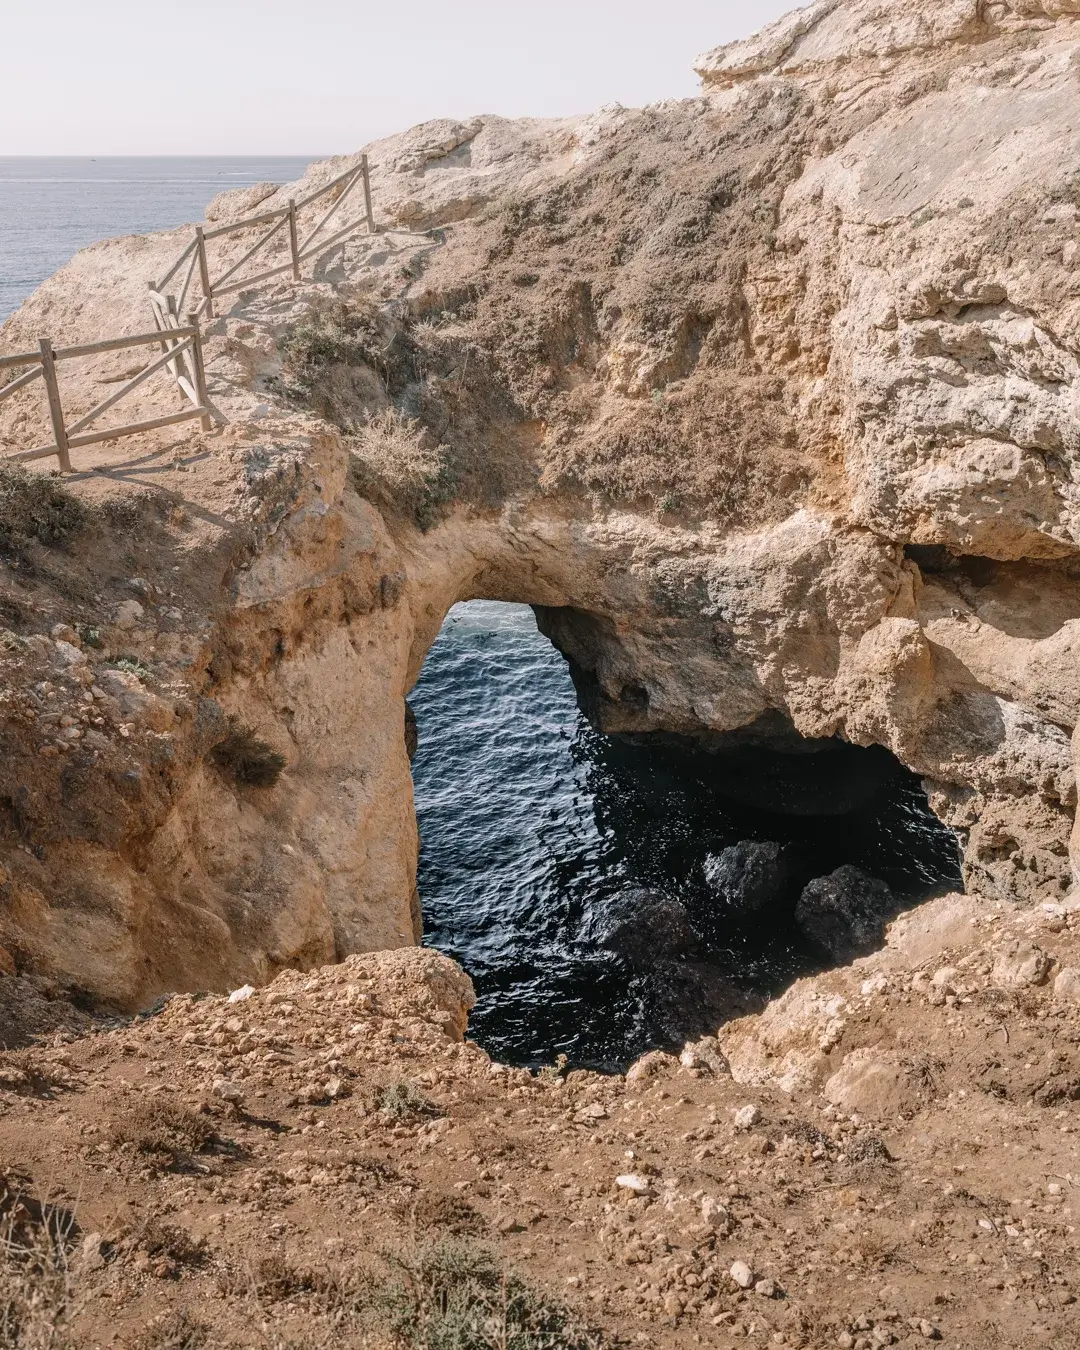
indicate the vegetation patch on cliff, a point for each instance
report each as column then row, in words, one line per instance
column 36, row 507
column 395, row 462
column 251, row 761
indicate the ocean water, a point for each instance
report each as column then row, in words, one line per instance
column 52, row 207
column 531, row 823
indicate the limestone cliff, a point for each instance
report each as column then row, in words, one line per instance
column 766, row 398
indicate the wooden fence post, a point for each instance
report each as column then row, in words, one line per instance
column 204, row 272
column 56, row 408
column 200, row 372
column 292, row 241
column 367, row 193
column 178, row 368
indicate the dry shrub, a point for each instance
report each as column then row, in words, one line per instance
column 177, row 1330
column 449, row 1212
column 404, row 1100
column 452, row 1295
column 26, row 1073
column 166, row 1131
column 37, row 1296
column 171, row 1245
column 397, row 463
column 868, row 1148
column 433, row 1295
column 251, row 761
column 276, row 1279
column 36, row 507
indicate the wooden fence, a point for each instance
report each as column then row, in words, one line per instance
column 181, row 344
column 283, row 223
column 182, row 357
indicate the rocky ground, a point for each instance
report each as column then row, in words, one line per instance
column 888, row 1155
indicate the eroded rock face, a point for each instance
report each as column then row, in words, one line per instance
column 766, row 399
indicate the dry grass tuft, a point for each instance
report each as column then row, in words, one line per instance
column 167, row 1132
column 174, row 1331
column 37, row 1295
column 397, row 462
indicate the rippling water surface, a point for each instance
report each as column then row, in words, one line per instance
column 530, row 821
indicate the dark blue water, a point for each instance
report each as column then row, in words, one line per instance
column 530, row 821
column 52, row 207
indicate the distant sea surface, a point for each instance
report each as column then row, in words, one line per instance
column 50, row 208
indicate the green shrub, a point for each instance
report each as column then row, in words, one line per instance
column 329, row 335
column 130, row 665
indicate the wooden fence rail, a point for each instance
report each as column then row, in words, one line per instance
column 181, row 344
column 283, row 222
column 181, row 355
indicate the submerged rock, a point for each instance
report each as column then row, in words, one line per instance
column 845, row 912
column 688, row 999
column 748, row 876
column 643, row 926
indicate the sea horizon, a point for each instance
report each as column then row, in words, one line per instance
column 51, row 206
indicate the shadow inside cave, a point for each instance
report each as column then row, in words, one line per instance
column 612, row 894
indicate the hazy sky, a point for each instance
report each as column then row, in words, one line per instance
column 99, row 77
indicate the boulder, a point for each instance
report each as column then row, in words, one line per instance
column 643, row 926
column 1022, row 965
column 1067, row 984
column 749, row 876
column 235, row 203
column 845, row 913
column 871, row 1084
column 654, row 1063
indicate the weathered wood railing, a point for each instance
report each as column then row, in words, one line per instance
column 182, row 357
column 283, row 223
column 181, row 344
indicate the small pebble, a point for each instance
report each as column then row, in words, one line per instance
column 630, row 1181
column 741, row 1273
